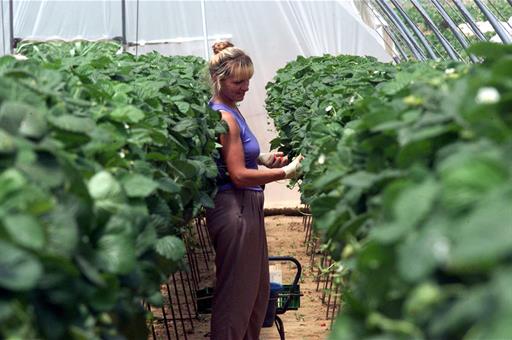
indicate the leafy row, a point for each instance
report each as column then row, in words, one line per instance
column 104, row 158
column 409, row 186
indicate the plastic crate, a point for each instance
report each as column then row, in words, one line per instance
column 294, row 293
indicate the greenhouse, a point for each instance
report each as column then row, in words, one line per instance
column 238, row 169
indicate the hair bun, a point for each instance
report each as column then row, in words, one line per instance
column 221, row 45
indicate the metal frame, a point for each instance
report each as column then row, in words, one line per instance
column 453, row 27
column 504, row 36
column 404, row 37
column 444, row 42
column 123, row 23
column 404, row 32
column 205, row 30
column 3, row 26
column 416, row 30
column 469, row 19
column 11, row 26
column 401, row 52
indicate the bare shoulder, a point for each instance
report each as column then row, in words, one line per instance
column 230, row 120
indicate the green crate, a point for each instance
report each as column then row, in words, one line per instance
column 294, row 293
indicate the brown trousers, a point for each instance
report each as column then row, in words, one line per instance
column 241, row 294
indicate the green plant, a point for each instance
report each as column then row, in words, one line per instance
column 409, row 193
column 104, row 158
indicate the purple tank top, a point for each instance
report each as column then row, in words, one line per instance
column 249, row 143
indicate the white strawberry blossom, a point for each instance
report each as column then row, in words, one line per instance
column 328, row 108
column 441, row 248
column 449, row 71
column 487, row 95
column 321, row 159
column 340, row 268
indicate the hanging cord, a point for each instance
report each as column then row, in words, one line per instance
column 137, row 32
column 3, row 24
column 365, row 2
column 499, row 14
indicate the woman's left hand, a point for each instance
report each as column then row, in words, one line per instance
column 273, row 159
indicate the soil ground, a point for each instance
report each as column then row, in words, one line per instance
column 285, row 236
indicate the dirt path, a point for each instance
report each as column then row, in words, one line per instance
column 285, row 237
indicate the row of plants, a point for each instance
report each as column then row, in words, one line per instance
column 502, row 10
column 104, row 159
column 410, row 188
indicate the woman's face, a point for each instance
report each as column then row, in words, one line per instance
column 234, row 89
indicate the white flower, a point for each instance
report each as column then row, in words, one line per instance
column 340, row 268
column 126, row 126
column 375, row 72
column 19, row 57
column 487, row 95
column 328, row 108
column 449, row 71
column 441, row 249
column 352, row 99
column 348, row 132
column 122, row 154
column 321, row 159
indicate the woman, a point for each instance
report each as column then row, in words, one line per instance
column 236, row 223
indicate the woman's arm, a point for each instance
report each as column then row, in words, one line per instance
column 233, row 153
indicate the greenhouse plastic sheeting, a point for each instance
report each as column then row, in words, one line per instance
column 271, row 32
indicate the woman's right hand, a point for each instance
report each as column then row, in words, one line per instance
column 272, row 159
column 291, row 170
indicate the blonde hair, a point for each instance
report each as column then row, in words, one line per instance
column 228, row 61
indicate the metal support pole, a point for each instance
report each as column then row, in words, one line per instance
column 404, row 32
column 446, row 45
column 3, row 26
column 123, row 23
column 494, row 22
column 205, row 31
column 469, row 19
column 395, row 57
column 396, row 42
column 499, row 14
column 453, row 27
column 11, row 26
column 416, row 30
